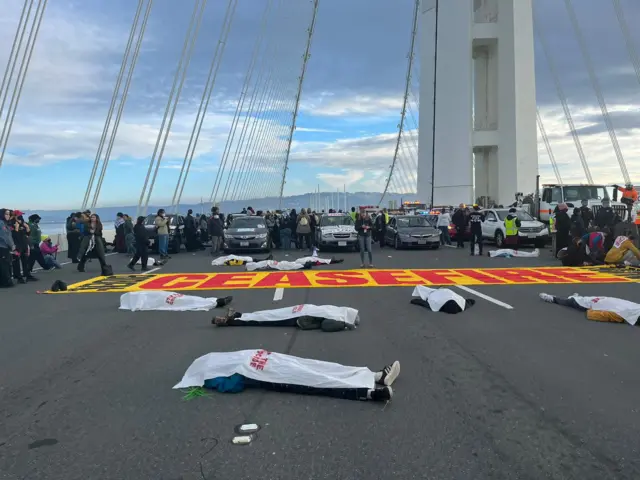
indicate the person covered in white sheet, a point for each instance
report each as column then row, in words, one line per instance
column 269, row 265
column 440, row 299
column 233, row 260
column 170, row 301
column 232, row 372
column 599, row 309
column 327, row 318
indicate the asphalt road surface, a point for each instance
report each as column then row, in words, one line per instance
column 532, row 392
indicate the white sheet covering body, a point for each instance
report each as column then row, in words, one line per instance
column 276, row 368
column 437, row 297
column 508, row 252
column 217, row 262
column 159, row 300
column 626, row 309
column 343, row 314
column 273, row 265
column 304, row 260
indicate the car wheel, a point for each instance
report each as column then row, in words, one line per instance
column 499, row 238
column 396, row 243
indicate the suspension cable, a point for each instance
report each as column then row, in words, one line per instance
column 563, row 100
column 628, row 39
column 305, row 59
column 403, row 113
column 204, row 102
column 112, row 105
column 547, row 145
column 240, row 105
column 596, row 86
column 172, row 102
column 22, row 75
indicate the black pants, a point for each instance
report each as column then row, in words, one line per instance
column 304, row 238
column 73, row 241
column 343, row 393
column 142, row 254
column 20, row 265
column 381, row 234
column 5, row 268
column 569, row 302
column 36, row 256
column 98, row 251
column 288, row 322
column 476, row 237
column 459, row 237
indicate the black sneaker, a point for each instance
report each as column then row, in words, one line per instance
column 31, row 278
column 383, row 394
column 221, row 302
column 388, row 374
column 131, row 267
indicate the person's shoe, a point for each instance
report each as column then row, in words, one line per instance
column 21, row 280
column 31, row 278
column 221, row 302
column 81, row 268
column 545, row 297
column 362, row 266
column 388, row 374
column 144, row 269
column 371, row 265
column 383, row 394
column 131, row 267
column 222, row 321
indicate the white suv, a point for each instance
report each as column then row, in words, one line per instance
column 531, row 230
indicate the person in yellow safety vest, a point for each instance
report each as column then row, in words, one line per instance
column 552, row 223
column 623, row 251
column 353, row 213
column 386, row 216
column 512, row 227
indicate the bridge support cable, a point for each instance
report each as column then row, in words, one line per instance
column 107, row 137
column 204, row 103
column 598, row 90
column 563, row 100
column 172, row 103
column 264, row 64
column 240, row 105
column 305, row 59
column 414, row 30
column 36, row 22
column 628, row 39
column 547, row 146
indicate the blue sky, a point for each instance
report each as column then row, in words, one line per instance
column 350, row 105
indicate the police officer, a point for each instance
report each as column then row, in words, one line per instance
column 606, row 216
column 586, row 213
column 476, row 217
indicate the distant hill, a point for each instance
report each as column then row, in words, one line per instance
column 294, row 201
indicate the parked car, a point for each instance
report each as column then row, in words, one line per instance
column 531, row 230
column 176, row 232
column 247, row 233
column 336, row 230
column 412, row 231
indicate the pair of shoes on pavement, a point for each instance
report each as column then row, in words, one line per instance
column 222, row 321
column 385, row 379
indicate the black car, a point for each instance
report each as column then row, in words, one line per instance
column 412, row 231
column 176, row 232
column 247, row 233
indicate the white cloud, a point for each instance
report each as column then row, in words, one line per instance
column 354, row 105
column 337, row 180
column 315, row 130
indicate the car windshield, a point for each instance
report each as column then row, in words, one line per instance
column 335, row 221
column 576, row 193
column 247, row 222
column 151, row 220
column 405, row 222
column 521, row 214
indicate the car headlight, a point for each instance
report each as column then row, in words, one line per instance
column 261, row 235
column 326, row 235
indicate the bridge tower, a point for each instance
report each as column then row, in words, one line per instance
column 485, row 101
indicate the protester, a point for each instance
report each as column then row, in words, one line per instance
column 563, row 228
column 234, row 260
column 444, row 220
column 303, row 230
column 363, row 227
column 600, row 309
column 162, row 227
column 141, row 245
column 35, row 239
column 327, row 318
column 440, row 299
column 623, row 251
column 216, row 231
column 74, row 236
column 7, row 249
column 49, row 251
column 459, row 221
column 129, row 236
column 232, row 372
column 268, row 265
column 380, row 224
column 119, row 241
column 20, row 233
column 93, row 243
column 170, row 301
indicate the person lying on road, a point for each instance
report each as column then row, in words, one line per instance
column 232, row 372
column 160, row 300
column 327, row 318
column 269, row 265
column 440, row 299
column 232, row 260
column 599, row 309
column 316, row 261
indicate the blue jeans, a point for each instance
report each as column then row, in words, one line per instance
column 285, row 238
column 444, row 236
column 364, row 242
column 163, row 245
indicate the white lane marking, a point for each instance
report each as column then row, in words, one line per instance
column 277, row 296
column 450, row 246
column 485, row 297
column 67, row 263
column 152, row 270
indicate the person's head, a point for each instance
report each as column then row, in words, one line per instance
column 476, row 207
column 606, row 203
column 161, row 212
column 443, row 210
column 190, row 212
column 140, row 220
column 120, row 215
column 461, row 206
column 35, row 218
column 512, row 211
column 584, row 202
column 629, row 186
column 576, row 211
column 563, row 207
column 353, row 209
column 5, row 215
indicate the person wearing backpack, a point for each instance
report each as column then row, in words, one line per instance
column 303, row 229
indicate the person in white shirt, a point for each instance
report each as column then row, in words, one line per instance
column 444, row 220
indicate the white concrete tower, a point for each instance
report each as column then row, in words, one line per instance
column 485, row 101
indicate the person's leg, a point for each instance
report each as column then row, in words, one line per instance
column 361, row 245
column 368, row 245
column 565, row 302
column 5, row 268
column 479, row 242
column 144, row 257
column 16, row 268
column 82, row 253
column 472, row 243
column 441, row 235
column 99, row 251
column 132, row 264
column 447, row 237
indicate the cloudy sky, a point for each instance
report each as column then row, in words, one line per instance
column 349, row 110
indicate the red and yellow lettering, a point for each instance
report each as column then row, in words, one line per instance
column 229, row 280
column 524, row 276
column 480, row 277
column 174, row 282
column 284, row 280
column 442, row 277
column 385, row 278
column 578, row 275
column 341, row 279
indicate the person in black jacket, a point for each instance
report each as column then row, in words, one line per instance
column 459, row 219
column 563, row 228
column 142, row 242
column 586, row 214
column 20, row 234
column 578, row 227
column 364, row 226
column 216, row 231
column 476, row 217
column 606, row 216
column 74, row 236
